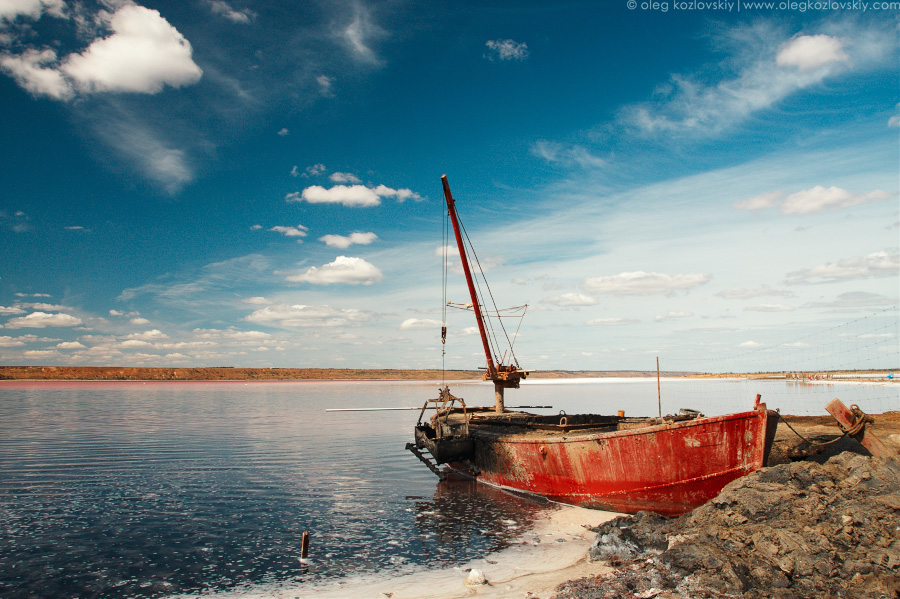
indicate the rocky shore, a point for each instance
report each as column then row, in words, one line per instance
column 826, row 525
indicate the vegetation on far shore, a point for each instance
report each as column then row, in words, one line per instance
column 130, row 373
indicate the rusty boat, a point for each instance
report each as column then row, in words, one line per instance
column 666, row 464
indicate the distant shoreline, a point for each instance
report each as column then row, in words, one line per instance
column 129, row 373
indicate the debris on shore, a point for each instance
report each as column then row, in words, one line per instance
column 800, row 529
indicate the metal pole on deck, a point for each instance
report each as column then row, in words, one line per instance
column 658, row 390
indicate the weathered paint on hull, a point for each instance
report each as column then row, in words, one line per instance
column 669, row 468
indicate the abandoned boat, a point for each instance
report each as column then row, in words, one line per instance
column 668, row 465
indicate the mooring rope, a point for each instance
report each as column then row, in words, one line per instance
column 858, row 424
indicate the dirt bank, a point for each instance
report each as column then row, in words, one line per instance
column 826, row 526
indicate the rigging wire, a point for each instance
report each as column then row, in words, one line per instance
column 494, row 350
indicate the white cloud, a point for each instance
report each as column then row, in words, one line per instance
column 300, row 316
column 70, row 345
column 139, row 320
column 421, row 323
column 741, row 293
column 875, row 265
column 40, row 320
column 344, row 178
column 566, row 155
column 36, row 71
column 643, row 283
column 808, row 52
column 344, row 269
column 671, row 315
column 325, row 86
column 350, row 195
column 232, row 334
column 571, row 299
column 257, row 300
column 7, row 341
column 11, row 310
column 298, row 231
column 10, row 9
column 359, row 34
column 506, row 50
column 769, row 308
column 810, row 201
column 769, row 199
column 750, row 344
column 223, row 9
column 610, row 322
column 143, row 54
column 295, row 172
column 764, row 77
column 151, row 335
column 855, row 299
column 283, row 132
column 315, row 170
column 343, row 242
column 820, row 198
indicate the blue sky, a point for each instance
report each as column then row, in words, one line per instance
column 206, row 183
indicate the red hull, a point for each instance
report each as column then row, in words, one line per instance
column 669, row 468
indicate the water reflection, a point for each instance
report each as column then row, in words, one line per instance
column 465, row 519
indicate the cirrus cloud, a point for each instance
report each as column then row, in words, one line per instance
column 810, row 201
column 643, row 283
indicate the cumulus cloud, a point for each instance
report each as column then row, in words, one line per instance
column 351, row 195
column 143, row 54
column 7, row 341
column 257, row 300
column 809, row 52
column 11, row 310
column 343, row 242
column 301, row 316
column 139, row 320
column 810, row 201
column 570, row 299
column 643, row 283
column 40, row 320
column 36, row 71
column 298, row 231
column 283, row 132
column 151, row 335
column 420, row 323
column 344, row 178
column 70, row 345
column 506, row 50
column 344, row 269
column 875, row 265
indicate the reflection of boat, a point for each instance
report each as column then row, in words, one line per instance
column 668, row 464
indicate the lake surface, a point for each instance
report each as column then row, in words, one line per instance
column 164, row 489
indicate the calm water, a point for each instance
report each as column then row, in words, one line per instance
column 159, row 489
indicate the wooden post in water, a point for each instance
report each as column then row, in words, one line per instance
column 658, row 390
column 304, row 545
